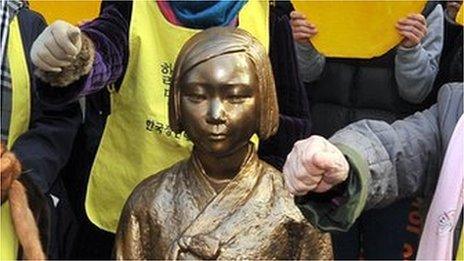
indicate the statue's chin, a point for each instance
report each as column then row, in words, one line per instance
column 220, row 149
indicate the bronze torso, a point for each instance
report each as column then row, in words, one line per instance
column 178, row 215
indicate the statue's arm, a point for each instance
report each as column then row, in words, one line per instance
column 307, row 242
column 129, row 238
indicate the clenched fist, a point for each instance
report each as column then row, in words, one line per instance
column 56, row 47
column 10, row 168
column 315, row 165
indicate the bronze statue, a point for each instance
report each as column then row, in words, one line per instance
column 222, row 202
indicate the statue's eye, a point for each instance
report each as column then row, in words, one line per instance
column 237, row 99
column 196, row 98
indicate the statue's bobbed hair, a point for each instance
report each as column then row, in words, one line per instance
column 215, row 42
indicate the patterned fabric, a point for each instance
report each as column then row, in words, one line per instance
column 4, row 22
column 437, row 238
column 6, row 98
column 8, row 11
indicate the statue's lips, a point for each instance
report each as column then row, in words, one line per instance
column 217, row 136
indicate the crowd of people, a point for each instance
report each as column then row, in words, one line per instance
column 85, row 119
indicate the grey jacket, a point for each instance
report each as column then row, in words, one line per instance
column 404, row 158
column 389, row 162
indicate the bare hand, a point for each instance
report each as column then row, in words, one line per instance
column 302, row 29
column 56, row 47
column 10, row 168
column 413, row 28
column 314, row 164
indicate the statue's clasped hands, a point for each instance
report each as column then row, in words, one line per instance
column 314, row 164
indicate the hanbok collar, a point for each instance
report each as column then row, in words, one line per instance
column 247, row 167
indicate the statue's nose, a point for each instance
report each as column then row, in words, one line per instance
column 216, row 113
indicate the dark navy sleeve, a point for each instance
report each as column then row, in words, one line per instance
column 45, row 148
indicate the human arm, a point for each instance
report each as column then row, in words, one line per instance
column 387, row 162
column 331, row 188
column 45, row 147
column 310, row 61
column 404, row 158
column 400, row 157
column 108, row 35
column 416, row 66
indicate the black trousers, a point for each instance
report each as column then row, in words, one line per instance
column 90, row 242
column 378, row 234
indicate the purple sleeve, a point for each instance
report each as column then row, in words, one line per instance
column 109, row 33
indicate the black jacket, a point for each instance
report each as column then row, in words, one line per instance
column 355, row 89
column 44, row 149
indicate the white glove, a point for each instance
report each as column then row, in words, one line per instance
column 56, row 47
column 314, row 164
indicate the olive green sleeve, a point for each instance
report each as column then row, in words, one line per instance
column 339, row 208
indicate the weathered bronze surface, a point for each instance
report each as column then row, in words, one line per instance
column 223, row 202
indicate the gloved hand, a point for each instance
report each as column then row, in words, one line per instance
column 10, row 168
column 56, row 47
column 314, row 164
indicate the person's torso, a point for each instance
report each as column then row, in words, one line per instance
column 353, row 89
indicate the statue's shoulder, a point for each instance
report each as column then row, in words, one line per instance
column 282, row 196
column 154, row 187
column 270, row 170
column 276, row 179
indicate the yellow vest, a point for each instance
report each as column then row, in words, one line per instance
column 460, row 16
column 460, row 253
column 137, row 141
column 20, row 114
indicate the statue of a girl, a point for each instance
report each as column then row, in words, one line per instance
column 222, row 202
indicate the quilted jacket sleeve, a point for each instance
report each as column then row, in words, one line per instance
column 404, row 158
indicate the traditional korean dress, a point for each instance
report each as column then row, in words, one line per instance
column 177, row 214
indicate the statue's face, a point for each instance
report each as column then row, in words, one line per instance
column 219, row 104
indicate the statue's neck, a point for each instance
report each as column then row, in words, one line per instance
column 225, row 167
